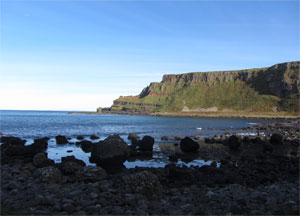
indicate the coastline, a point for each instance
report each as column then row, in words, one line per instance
column 278, row 116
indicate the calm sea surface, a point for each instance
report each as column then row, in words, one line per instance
column 36, row 124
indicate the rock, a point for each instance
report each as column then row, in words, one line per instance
column 70, row 168
column 73, row 159
column 234, row 142
column 69, row 151
column 267, row 147
column 276, row 139
column 133, row 136
column 177, row 138
column 68, row 207
column 146, row 144
column 80, row 137
column 92, row 174
column 188, row 145
column 112, row 152
column 144, row 183
column 94, row 137
column 61, row 139
column 41, row 160
column 12, row 140
column 165, row 138
column 246, row 140
column 86, row 146
column 48, row 174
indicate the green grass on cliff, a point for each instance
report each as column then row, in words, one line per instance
column 234, row 95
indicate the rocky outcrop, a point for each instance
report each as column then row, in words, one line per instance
column 269, row 89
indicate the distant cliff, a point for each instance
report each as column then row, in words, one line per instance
column 270, row 89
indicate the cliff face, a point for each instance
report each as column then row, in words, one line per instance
column 261, row 89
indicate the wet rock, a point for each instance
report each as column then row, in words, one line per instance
column 276, row 139
column 208, row 140
column 41, row 160
column 112, row 152
column 80, row 137
column 61, row 139
column 146, row 144
column 165, row 138
column 92, row 174
column 70, row 168
column 48, row 174
column 234, row 142
column 188, row 145
column 144, row 183
column 12, row 140
column 86, row 146
column 73, row 159
column 94, row 137
column 246, row 140
column 133, row 136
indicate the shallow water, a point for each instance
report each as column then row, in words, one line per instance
column 36, row 124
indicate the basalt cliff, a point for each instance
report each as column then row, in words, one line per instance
column 270, row 89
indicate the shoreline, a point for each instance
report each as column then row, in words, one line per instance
column 198, row 115
column 248, row 175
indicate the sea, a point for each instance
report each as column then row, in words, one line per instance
column 29, row 125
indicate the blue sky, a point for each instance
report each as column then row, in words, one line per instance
column 78, row 55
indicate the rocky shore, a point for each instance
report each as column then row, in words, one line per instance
column 248, row 175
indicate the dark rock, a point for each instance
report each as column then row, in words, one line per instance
column 73, row 159
column 41, row 160
column 48, row 174
column 146, row 144
column 86, row 146
column 69, row 151
column 80, row 137
column 276, row 139
column 165, row 138
column 12, row 140
column 177, row 138
column 188, row 145
column 257, row 140
column 267, row 147
column 234, row 142
column 68, row 207
column 94, row 137
column 61, row 139
column 112, row 152
column 144, row 183
column 92, row 174
column 246, row 140
column 70, row 167
column 133, row 136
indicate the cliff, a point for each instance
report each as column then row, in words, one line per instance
column 269, row 89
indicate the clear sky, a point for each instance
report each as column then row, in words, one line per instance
column 78, row 55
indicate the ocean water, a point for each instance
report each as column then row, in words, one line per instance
column 37, row 124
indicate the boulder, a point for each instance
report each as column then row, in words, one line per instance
column 112, row 152
column 146, row 144
column 276, row 139
column 234, row 142
column 41, row 144
column 246, row 140
column 92, row 174
column 85, row 145
column 188, row 145
column 143, row 183
column 133, row 136
column 41, row 160
column 48, row 174
column 12, row 140
column 94, row 137
column 61, row 139
column 80, row 137
column 208, row 140
column 73, row 159
column 70, row 167
column 165, row 138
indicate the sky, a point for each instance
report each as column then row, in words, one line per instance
column 79, row 55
